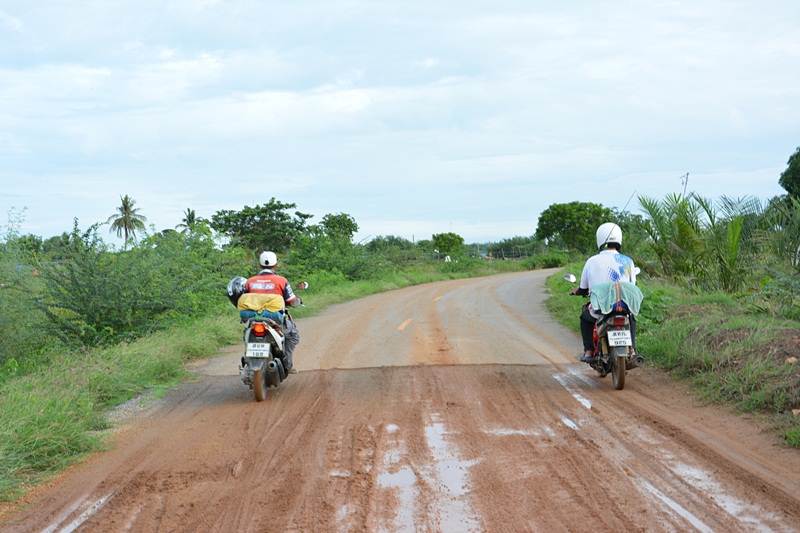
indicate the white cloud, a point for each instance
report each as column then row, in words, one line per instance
column 12, row 23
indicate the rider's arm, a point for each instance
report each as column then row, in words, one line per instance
column 290, row 297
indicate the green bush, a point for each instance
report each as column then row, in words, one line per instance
column 548, row 260
column 99, row 296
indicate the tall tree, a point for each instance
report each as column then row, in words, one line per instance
column 263, row 227
column 341, row 226
column 448, row 243
column 572, row 225
column 790, row 178
column 127, row 220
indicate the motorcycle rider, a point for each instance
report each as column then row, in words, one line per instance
column 607, row 265
column 269, row 282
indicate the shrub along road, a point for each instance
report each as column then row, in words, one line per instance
column 452, row 406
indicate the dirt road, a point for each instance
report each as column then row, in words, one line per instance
column 454, row 406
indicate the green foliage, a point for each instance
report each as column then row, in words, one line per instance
column 634, row 241
column 548, row 260
column 339, row 227
column 778, row 295
column 790, row 178
column 711, row 246
column 793, row 435
column 19, row 283
column 515, row 247
column 780, row 230
column 27, row 247
column 58, row 248
column 563, row 307
column 448, row 243
column 572, row 225
column 318, row 253
column 394, row 250
column 263, row 227
column 655, row 306
column 674, row 228
column 98, row 296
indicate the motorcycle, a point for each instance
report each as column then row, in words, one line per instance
column 614, row 352
column 263, row 364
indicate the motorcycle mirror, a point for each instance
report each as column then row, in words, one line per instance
column 303, row 285
column 636, row 270
column 571, row 278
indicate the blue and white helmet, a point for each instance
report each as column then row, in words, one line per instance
column 236, row 288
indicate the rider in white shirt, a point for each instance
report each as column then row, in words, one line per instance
column 608, row 265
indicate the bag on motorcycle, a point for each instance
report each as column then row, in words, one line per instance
column 266, row 305
column 609, row 296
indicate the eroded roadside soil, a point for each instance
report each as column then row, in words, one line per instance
column 455, row 406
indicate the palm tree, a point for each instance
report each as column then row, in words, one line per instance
column 189, row 221
column 127, row 220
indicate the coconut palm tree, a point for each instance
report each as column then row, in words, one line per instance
column 127, row 220
column 189, row 221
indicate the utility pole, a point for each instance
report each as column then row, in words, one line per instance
column 685, row 183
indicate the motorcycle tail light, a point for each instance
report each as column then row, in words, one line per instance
column 259, row 330
column 619, row 321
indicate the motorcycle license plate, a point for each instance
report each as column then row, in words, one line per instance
column 619, row 337
column 257, row 349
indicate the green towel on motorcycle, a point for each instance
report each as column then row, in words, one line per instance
column 616, row 296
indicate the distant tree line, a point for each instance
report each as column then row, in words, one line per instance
column 90, row 293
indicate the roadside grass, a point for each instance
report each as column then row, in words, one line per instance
column 56, row 414
column 51, row 418
column 728, row 352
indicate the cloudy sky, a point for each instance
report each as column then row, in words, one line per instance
column 415, row 117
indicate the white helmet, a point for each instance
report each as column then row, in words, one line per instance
column 608, row 232
column 268, row 259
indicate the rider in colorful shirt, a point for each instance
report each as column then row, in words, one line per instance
column 268, row 282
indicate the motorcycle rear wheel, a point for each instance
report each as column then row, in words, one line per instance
column 259, row 387
column 619, row 363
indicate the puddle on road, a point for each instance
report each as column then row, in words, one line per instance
column 747, row 513
column 447, row 474
column 523, row 432
column 404, row 481
column 450, row 473
column 708, row 491
column 75, row 524
column 570, row 424
column 675, row 506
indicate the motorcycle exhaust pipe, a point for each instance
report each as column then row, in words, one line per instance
column 637, row 362
column 272, row 366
